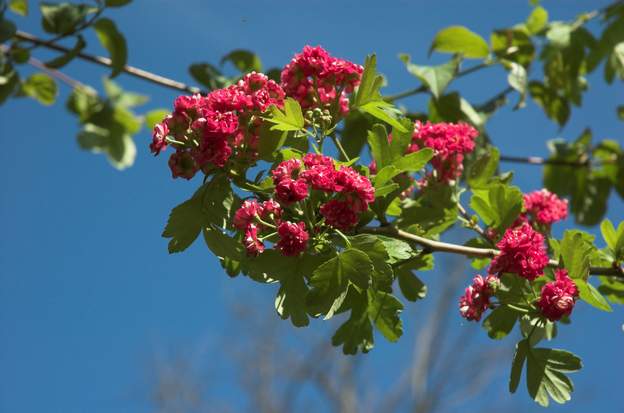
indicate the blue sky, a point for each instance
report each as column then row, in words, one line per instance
column 88, row 292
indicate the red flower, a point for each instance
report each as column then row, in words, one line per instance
column 286, row 170
column 182, row 164
column 521, row 252
column 476, row 298
column 545, row 207
column 247, row 213
column 339, row 214
column 558, row 297
column 289, row 191
column 450, row 143
column 293, row 238
column 314, row 75
column 159, row 135
column 252, row 244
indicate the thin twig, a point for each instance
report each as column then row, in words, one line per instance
column 536, row 160
column 104, row 61
column 439, row 246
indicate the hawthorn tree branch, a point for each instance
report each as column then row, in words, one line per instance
column 104, row 61
column 440, row 246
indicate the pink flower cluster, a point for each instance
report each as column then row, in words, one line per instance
column 316, row 79
column 558, row 297
column 350, row 192
column 206, row 130
column 476, row 299
column 522, row 252
column 248, row 218
column 450, row 143
column 545, row 208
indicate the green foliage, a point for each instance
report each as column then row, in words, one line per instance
column 460, row 40
column 412, row 288
column 575, row 250
column 19, row 6
column 614, row 238
column 291, row 119
column 513, row 45
column 208, row 75
column 63, row 18
column 244, row 60
column 114, row 42
column 537, row 20
column 383, row 311
column 7, row 29
column 117, row 3
column 500, row 322
column 435, row 78
column 368, row 99
column 432, row 211
column 483, row 169
column 41, row 87
column 65, row 58
column 498, row 205
column 545, row 372
column 155, row 116
column 211, row 204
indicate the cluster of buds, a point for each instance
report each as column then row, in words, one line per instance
column 476, row 298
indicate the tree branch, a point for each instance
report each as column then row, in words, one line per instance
column 439, row 246
column 104, row 61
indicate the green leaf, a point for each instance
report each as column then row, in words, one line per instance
column 411, row 286
column 545, row 378
column 372, row 246
column 435, row 78
column 401, row 140
column 114, row 42
column 517, row 79
column 609, row 234
column 155, row 116
column 10, row 81
column 289, row 120
column 513, row 44
column 354, row 133
column 290, row 300
column 368, row 99
column 397, row 250
column 384, row 310
column 244, row 60
column 222, row 245
column 41, row 87
column 62, row 60
column 517, row 364
column 380, row 149
column 19, row 6
column 414, row 161
column 500, row 322
column 7, row 30
column 120, row 97
column 458, row 39
column 357, row 332
column 431, row 212
column 612, row 289
column 592, row 296
column 185, row 223
column 116, row 3
column 575, row 252
column 62, row 18
column 554, row 106
column 331, row 279
column 559, row 34
column 537, row 20
column 498, row 205
column 483, row 169
column 208, row 75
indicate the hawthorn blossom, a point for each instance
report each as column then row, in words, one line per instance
column 558, row 297
column 522, row 252
column 545, row 207
column 450, row 143
column 476, row 298
column 316, row 79
column 293, row 238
